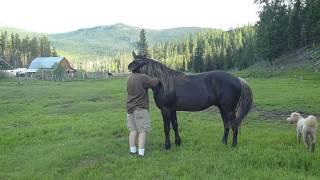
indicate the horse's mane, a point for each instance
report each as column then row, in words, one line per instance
column 166, row 75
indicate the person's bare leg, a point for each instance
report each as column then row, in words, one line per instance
column 132, row 141
column 142, row 141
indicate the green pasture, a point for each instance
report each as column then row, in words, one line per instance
column 77, row 130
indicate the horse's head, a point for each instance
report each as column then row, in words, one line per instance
column 138, row 64
column 153, row 68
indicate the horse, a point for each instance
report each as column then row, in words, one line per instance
column 178, row 91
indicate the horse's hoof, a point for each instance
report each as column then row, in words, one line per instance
column 224, row 142
column 178, row 142
column 167, row 146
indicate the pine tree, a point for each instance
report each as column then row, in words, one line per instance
column 34, row 49
column 54, row 52
column 12, row 51
column 25, row 46
column 295, row 26
column 3, row 44
column 17, row 51
column 312, row 21
column 197, row 59
column 143, row 45
column 272, row 29
column 45, row 50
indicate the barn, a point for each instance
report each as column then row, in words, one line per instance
column 49, row 63
column 4, row 65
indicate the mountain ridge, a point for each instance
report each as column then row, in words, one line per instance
column 108, row 40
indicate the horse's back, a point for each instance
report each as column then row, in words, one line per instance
column 227, row 89
column 200, row 91
column 218, row 80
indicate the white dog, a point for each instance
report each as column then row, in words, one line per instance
column 307, row 127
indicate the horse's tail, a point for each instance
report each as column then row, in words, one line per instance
column 245, row 101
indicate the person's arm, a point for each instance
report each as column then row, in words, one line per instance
column 152, row 82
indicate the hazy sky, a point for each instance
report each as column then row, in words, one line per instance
column 52, row 16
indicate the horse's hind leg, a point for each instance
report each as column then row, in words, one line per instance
column 166, row 124
column 226, row 132
column 235, row 130
column 226, row 117
column 174, row 124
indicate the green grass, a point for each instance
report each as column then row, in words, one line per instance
column 77, row 130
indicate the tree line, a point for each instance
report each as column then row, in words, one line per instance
column 282, row 26
column 19, row 52
column 214, row 49
column 286, row 26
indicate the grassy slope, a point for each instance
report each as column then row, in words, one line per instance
column 76, row 130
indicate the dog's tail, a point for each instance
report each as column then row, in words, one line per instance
column 312, row 121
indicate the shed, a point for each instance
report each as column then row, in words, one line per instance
column 49, row 63
column 4, row 65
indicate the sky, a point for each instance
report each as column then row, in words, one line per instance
column 56, row 16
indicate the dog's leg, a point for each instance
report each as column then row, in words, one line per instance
column 305, row 138
column 313, row 139
column 298, row 137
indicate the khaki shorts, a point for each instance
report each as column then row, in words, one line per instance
column 139, row 120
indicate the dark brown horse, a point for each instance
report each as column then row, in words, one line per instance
column 180, row 92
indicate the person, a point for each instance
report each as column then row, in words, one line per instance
column 138, row 119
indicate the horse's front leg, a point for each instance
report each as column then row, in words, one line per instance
column 166, row 125
column 174, row 123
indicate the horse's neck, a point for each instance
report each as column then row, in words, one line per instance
column 175, row 72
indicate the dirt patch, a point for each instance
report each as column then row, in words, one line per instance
column 272, row 115
column 87, row 162
column 266, row 115
column 60, row 104
column 94, row 99
column 117, row 134
column 100, row 98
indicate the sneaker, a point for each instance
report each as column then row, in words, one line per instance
column 132, row 153
column 140, row 156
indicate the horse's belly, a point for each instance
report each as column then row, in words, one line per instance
column 194, row 96
column 193, row 104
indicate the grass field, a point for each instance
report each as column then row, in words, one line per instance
column 76, row 130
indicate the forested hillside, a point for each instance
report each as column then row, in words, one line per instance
column 215, row 49
column 19, row 51
column 110, row 40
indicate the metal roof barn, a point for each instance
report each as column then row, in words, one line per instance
column 49, row 63
column 4, row 65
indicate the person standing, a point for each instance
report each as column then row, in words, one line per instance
column 138, row 119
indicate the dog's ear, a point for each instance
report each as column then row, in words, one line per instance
column 296, row 114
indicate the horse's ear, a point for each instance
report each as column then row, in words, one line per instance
column 134, row 54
